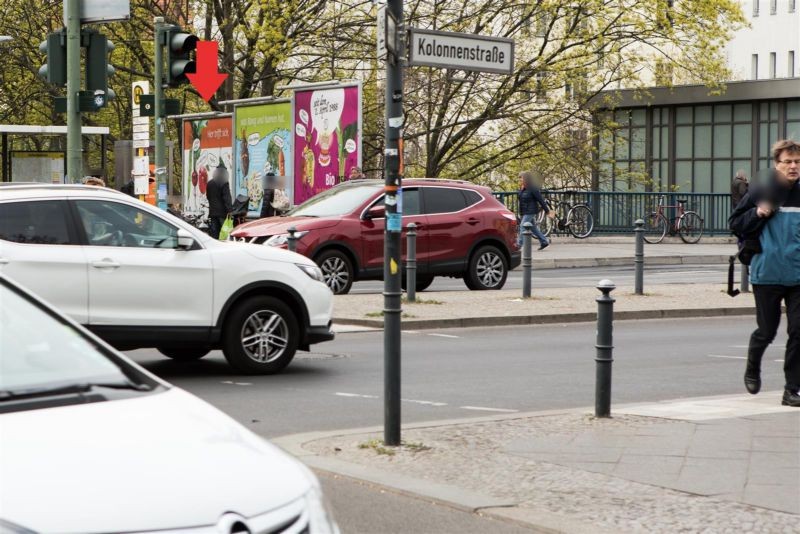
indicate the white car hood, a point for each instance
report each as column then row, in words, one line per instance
column 162, row 461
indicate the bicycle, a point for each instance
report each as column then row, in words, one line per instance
column 687, row 224
column 577, row 218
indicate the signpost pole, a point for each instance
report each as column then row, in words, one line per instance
column 392, row 291
column 74, row 141
column 161, row 121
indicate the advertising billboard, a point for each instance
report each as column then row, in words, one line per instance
column 263, row 151
column 327, row 138
column 206, row 150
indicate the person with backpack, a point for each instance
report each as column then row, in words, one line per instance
column 767, row 220
column 218, row 192
column 530, row 198
column 739, row 188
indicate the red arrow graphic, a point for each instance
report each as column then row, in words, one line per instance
column 207, row 79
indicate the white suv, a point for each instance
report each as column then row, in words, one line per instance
column 139, row 277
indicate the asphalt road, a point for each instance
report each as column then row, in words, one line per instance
column 583, row 277
column 465, row 373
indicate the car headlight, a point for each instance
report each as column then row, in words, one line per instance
column 313, row 271
column 282, row 239
column 320, row 519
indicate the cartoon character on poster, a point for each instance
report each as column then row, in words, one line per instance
column 258, row 157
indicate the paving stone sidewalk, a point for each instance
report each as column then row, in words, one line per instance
column 729, row 464
column 552, row 305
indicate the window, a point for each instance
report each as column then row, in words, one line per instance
column 410, row 202
column 473, row 197
column 444, row 200
column 791, row 6
column 773, row 7
column 773, row 60
column 42, row 222
column 756, row 7
column 111, row 224
column 754, row 67
column 790, row 65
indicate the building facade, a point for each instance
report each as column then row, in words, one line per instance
column 769, row 48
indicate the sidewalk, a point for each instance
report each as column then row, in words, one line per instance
column 447, row 309
column 724, row 464
column 617, row 251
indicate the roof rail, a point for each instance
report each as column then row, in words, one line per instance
column 38, row 185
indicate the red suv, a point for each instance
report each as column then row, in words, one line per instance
column 462, row 231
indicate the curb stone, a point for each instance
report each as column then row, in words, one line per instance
column 513, row 320
column 569, row 263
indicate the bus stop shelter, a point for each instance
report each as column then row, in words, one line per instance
column 10, row 130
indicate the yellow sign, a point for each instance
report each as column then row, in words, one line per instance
column 393, row 266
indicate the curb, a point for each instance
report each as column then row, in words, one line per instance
column 511, row 320
column 569, row 263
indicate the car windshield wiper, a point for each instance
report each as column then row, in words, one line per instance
column 81, row 387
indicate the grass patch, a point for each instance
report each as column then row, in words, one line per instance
column 422, row 301
column 380, row 314
column 379, row 448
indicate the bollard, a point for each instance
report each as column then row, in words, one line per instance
column 411, row 263
column 744, row 283
column 526, row 260
column 605, row 349
column 638, row 262
column 292, row 240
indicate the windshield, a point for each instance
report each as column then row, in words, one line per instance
column 37, row 350
column 336, row 202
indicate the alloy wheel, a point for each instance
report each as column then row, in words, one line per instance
column 264, row 336
column 335, row 274
column 490, row 269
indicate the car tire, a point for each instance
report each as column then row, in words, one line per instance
column 260, row 336
column 185, row 353
column 337, row 271
column 423, row 282
column 488, row 269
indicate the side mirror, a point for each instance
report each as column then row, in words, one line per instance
column 377, row 211
column 185, row 239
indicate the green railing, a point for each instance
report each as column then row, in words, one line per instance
column 615, row 213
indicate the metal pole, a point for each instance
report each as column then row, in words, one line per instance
column 74, row 141
column 160, row 115
column 744, row 282
column 605, row 349
column 291, row 241
column 411, row 263
column 638, row 262
column 392, row 291
column 526, row 259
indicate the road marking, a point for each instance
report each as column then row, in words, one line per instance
column 232, row 383
column 340, row 394
column 445, row 335
column 426, row 403
column 723, row 356
column 483, row 409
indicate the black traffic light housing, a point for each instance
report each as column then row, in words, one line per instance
column 98, row 69
column 179, row 45
column 55, row 70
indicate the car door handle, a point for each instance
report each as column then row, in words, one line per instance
column 472, row 220
column 105, row 264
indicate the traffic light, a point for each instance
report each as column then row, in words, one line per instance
column 98, row 69
column 55, row 70
column 179, row 45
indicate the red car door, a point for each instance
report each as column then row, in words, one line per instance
column 453, row 224
column 372, row 233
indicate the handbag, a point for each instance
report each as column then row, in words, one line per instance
column 227, row 228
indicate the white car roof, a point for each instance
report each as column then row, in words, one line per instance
column 14, row 190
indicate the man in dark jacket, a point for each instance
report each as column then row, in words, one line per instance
column 738, row 188
column 218, row 193
column 530, row 198
column 771, row 214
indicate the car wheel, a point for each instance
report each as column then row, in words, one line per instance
column 423, row 282
column 337, row 271
column 185, row 353
column 260, row 336
column 488, row 269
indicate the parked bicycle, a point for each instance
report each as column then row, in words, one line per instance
column 687, row 224
column 577, row 218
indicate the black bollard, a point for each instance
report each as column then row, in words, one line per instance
column 638, row 262
column 605, row 349
column 744, row 282
column 411, row 263
column 291, row 241
column 527, row 261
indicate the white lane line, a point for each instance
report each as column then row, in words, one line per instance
column 729, row 357
column 340, row 394
column 483, row 409
column 426, row 403
column 232, row 383
column 445, row 335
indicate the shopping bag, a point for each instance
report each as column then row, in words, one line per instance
column 227, row 228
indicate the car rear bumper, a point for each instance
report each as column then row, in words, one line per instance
column 516, row 259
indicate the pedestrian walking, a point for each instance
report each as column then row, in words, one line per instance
column 739, row 188
column 769, row 216
column 267, row 210
column 218, row 192
column 530, row 198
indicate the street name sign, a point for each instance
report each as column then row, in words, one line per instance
column 464, row 51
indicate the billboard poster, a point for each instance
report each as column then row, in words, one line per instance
column 327, row 138
column 263, row 146
column 206, row 148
